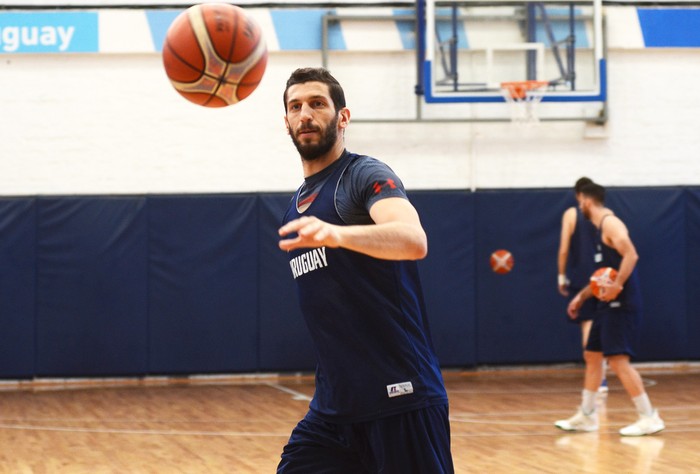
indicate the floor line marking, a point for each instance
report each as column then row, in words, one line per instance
column 144, row 432
column 295, row 395
column 560, row 433
column 551, row 412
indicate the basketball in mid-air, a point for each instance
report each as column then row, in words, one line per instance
column 600, row 278
column 214, row 54
column 502, row 261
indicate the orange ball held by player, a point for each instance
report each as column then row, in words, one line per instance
column 600, row 278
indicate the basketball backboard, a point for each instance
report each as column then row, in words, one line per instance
column 470, row 47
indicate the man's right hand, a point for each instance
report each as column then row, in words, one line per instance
column 574, row 306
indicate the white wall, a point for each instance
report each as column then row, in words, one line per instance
column 112, row 124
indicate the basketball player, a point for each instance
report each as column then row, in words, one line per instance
column 575, row 263
column 353, row 238
column 615, row 323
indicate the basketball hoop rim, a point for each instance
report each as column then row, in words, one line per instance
column 518, row 90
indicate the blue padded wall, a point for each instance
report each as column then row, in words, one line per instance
column 99, row 286
column 285, row 343
column 17, row 291
column 91, row 288
column 520, row 315
column 692, row 273
column 203, row 280
column 655, row 219
column 447, row 274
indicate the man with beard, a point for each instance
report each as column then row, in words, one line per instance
column 353, row 239
column 615, row 323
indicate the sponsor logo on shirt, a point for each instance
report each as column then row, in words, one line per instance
column 398, row 389
column 308, row 262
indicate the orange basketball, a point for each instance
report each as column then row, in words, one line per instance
column 606, row 276
column 502, row 261
column 214, row 54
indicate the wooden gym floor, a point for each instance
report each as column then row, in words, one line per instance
column 501, row 423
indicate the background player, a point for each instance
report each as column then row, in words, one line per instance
column 575, row 262
column 353, row 237
column 614, row 330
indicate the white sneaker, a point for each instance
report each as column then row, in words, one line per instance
column 579, row 422
column 645, row 425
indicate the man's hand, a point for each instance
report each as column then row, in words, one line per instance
column 574, row 306
column 311, row 233
column 563, row 285
column 609, row 290
column 395, row 235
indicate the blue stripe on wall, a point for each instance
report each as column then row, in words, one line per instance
column 74, row 32
column 407, row 28
column 301, row 30
column 159, row 21
column 669, row 27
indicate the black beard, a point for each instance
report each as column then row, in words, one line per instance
column 312, row 152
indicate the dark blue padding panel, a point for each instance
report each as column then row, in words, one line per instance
column 447, row 273
column 91, row 286
column 99, row 286
column 521, row 316
column 17, row 278
column 692, row 271
column 655, row 219
column 285, row 343
column 202, row 284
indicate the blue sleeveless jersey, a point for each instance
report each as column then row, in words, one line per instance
column 630, row 298
column 367, row 320
column 580, row 265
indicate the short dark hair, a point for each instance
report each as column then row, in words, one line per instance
column 317, row 74
column 595, row 192
column 581, row 182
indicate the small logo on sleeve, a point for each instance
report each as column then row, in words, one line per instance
column 378, row 186
column 398, row 389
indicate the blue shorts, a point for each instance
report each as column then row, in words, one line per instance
column 412, row 442
column 614, row 332
column 587, row 310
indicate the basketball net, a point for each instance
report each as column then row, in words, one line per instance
column 523, row 98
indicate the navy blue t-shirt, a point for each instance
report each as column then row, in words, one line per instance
column 363, row 183
column 366, row 317
column 580, row 265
